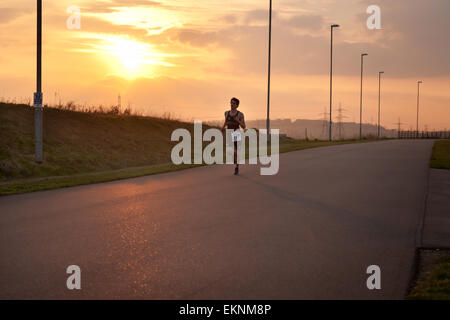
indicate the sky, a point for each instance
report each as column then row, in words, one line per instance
column 188, row 58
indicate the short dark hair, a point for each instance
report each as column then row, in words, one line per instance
column 235, row 100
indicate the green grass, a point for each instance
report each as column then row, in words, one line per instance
column 434, row 285
column 77, row 142
column 440, row 159
column 84, row 148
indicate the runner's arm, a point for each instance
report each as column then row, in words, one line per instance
column 225, row 123
column 241, row 120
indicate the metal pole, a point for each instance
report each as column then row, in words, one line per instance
column 330, row 137
column 38, row 94
column 418, row 97
column 360, row 101
column 268, row 71
column 379, row 102
column 331, row 84
column 379, row 96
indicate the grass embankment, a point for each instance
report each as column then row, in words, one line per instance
column 434, row 280
column 440, row 158
column 83, row 148
column 435, row 283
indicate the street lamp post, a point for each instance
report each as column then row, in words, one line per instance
column 331, row 80
column 418, row 100
column 361, row 95
column 379, row 102
column 268, row 69
column 37, row 101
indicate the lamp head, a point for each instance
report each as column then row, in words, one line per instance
column 420, row 81
column 364, row 54
column 381, row 72
column 335, row 26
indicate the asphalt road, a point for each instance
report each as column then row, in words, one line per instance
column 309, row 232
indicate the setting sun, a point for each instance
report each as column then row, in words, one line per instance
column 131, row 58
column 125, row 57
column 131, row 54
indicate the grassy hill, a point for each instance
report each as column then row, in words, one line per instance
column 77, row 142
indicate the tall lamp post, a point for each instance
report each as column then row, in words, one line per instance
column 37, row 101
column 418, row 100
column 379, row 102
column 361, row 95
column 331, row 79
column 268, row 69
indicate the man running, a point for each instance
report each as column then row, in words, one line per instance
column 233, row 120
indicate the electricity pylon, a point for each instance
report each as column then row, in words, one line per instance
column 339, row 119
column 325, row 115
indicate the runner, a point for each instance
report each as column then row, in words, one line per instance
column 233, row 120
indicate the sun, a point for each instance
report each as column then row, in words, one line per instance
column 126, row 57
column 132, row 58
column 132, row 55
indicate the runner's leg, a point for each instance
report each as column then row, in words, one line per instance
column 236, row 169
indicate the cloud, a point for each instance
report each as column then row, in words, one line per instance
column 258, row 16
column 306, row 22
column 413, row 41
column 97, row 25
column 10, row 14
column 229, row 18
column 195, row 37
column 110, row 6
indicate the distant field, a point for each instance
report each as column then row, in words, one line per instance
column 440, row 158
column 82, row 148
